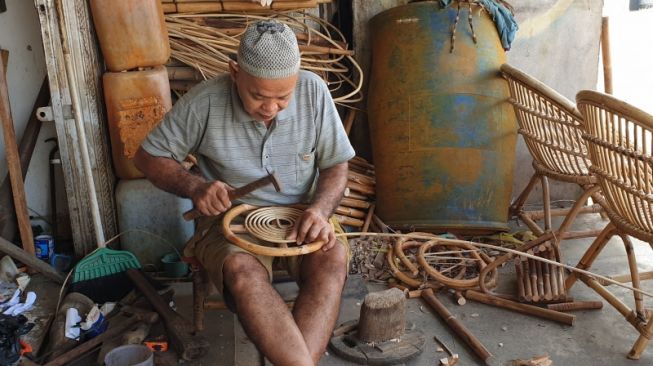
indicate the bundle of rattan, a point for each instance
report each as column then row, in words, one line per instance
column 215, row 6
column 206, row 43
column 357, row 208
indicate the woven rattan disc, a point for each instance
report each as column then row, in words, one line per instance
column 272, row 224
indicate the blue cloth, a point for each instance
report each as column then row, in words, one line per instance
column 502, row 17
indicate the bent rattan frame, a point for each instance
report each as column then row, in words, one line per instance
column 552, row 128
column 620, row 142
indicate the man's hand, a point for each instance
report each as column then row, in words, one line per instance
column 313, row 225
column 211, row 198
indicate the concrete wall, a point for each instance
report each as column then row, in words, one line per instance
column 558, row 43
column 20, row 34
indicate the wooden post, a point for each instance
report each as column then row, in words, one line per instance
column 13, row 165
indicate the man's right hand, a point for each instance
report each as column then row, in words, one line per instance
column 211, row 198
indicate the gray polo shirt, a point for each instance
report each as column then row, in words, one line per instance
column 209, row 121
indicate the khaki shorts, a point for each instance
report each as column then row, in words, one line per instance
column 211, row 249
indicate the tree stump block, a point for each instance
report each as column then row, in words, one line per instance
column 383, row 316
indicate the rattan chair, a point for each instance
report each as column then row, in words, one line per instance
column 552, row 128
column 620, row 143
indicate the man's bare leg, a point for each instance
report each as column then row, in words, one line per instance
column 322, row 279
column 264, row 315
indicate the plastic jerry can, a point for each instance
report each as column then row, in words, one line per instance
column 132, row 33
column 136, row 101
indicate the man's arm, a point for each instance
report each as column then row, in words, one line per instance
column 314, row 223
column 210, row 198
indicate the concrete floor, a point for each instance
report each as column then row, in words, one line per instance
column 598, row 337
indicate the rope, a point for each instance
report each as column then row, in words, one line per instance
column 271, row 224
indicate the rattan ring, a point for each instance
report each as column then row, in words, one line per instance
column 456, row 283
column 262, row 226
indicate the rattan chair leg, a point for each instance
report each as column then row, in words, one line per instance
column 642, row 340
column 573, row 213
column 619, row 305
column 546, row 200
column 591, row 253
column 518, row 205
column 634, row 274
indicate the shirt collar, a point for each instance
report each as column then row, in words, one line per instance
column 240, row 115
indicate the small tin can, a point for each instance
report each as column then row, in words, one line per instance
column 44, row 246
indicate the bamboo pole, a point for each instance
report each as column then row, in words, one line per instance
column 349, row 120
column 354, row 195
column 605, row 52
column 556, row 316
column 346, row 220
column 368, row 218
column 351, row 212
column 457, row 326
column 355, row 203
column 364, row 189
column 576, row 305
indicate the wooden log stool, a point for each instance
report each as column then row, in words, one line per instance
column 381, row 335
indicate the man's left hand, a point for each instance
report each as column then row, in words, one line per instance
column 313, row 225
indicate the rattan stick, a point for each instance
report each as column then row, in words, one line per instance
column 520, row 281
column 355, row 203
column 548, row 295
column 540, row 280
column 534, row 288
column 563, row 318
column 368, row 218
column 527, row 279
column 576, row 305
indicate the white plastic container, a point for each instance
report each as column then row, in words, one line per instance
column 152, row 220
column 130, row 355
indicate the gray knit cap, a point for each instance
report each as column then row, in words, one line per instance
column 268, row 50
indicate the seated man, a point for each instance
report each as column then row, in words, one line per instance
column 267, row 115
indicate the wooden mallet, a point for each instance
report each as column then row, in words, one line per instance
column 271, row 178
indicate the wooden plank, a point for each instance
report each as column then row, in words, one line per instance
column 88, row 69
column 42, row 314
column 13, row 165
column 26, row 147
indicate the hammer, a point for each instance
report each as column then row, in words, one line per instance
column 239, row 192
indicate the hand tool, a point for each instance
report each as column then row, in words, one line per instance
column 271, row 178
column 181, row 333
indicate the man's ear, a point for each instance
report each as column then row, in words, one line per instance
column 233, row 70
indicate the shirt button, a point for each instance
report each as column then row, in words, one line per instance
column 267, row 156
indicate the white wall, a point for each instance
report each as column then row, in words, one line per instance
column 631, row 37
column 20, row 34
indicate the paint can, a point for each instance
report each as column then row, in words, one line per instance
column 44, row 246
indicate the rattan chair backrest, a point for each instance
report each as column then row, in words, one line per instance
column 551, row 125
column 620, row 142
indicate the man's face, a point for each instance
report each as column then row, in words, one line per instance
column 262, row 98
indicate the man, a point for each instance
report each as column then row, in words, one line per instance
column 267, row 115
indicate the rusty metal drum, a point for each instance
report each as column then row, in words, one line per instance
column 443, row 133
